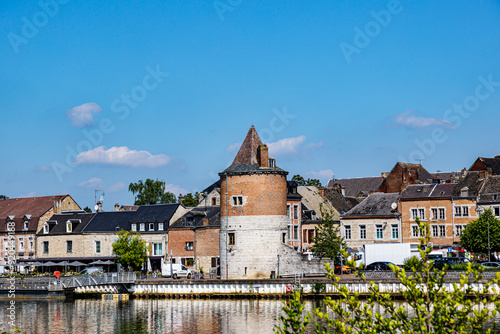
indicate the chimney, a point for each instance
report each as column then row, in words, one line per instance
column 385, row 174
column 497, row 157
column 342, row 190
column 117, row 207
column 322, row 192
column 57, row 204
column 99, row 206
column 263, row 156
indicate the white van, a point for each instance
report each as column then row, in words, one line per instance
column 178, row 270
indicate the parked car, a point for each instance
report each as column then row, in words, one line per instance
column 490, row 264
column 449, row 261
column 379, row 266
column 92, row 270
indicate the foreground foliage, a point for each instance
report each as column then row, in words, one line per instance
column 434, row 309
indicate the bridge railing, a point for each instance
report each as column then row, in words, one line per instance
column 97, row 279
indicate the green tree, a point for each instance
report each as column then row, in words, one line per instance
column 87, row 209
column 306, row 182
column 435, row 308
column 190, row 200
column 130, row 249
column 3, row 197
column 328, row 242
column 151, row 192
column 474, row 237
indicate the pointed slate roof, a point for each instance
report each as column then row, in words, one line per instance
column 248, row 150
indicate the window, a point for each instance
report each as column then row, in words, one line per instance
column 133, row 227
column 187, row 261
column 421, row 213
column 380, row 234
column 295, row 212
column 231, row 238
column 347, row 232
column 413, row 214
column 21, row 244
column 497, row 211
column 237, row 200
column 283, row 237
column 459, row 229
column 458, row 211
column 435, row 230
column 46, row 228
column 69, row 246
column 214, row 201
column 310, row 235
column 45, row 247
column 442, row 231
column 31, row 244
column 272, row 163
column 414, row 231
column 442, row 215
column 395, row 232
column 151, row 226
column 434, row 213
column 296, row 232
column 26, row 224
column 160, row 226
column 97, row 246
column 69, row 227
column 465, row 211
column 288, row 211
column 142, row 227
column 189, row 246
column 157, row 249
column 362, row 231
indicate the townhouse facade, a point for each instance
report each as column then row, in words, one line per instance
column 22, row 218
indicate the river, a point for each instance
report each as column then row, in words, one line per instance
column 179, row 316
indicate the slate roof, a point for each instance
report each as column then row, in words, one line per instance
column 423, row 173
column 421, row 191
column 446, row 176
column 493, row 163
column 338, row 201
column 251, row 169
column 57, row 223
column 209, row 189
column 375, row 205
column 198, row 214
column 312, row 200
column 247, row 153
column 473, row 181
column 108, row 221
column 356, row 187
column 490, row 192
column 35, row 207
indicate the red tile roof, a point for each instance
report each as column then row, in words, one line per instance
column 19, row 207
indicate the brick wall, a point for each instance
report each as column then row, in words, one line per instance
column 263, row 194
column 205, row 244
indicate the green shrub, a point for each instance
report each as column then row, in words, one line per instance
column 412, row 264
column 318, row 287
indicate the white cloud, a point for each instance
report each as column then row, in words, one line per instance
column 409, row 120
column 91, row 183
column 324, row 174
column 175, row 189
column 82, row 115
column 233, row 148
column 286, row 145
column 118, row 186
column 122, row 156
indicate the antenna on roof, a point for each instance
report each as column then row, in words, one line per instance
column 420, row 161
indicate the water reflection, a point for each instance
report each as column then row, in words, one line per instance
column 150, row 316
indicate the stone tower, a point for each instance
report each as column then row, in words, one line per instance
column 253, row 213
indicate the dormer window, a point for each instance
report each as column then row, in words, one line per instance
column 69, row 227
column 133, row 227
column 151, row 226
column 272, row 163
column 160, row 226
column 189, row 221
column 142, row 227
column 26, row 225
column 464, row 192
column 46, row 228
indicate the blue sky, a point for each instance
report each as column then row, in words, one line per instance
column 98, row 94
